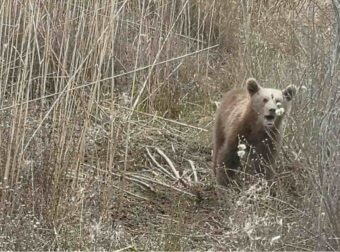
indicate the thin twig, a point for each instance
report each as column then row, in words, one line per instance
column 167, row 159
column 109, row 78
column 126, row 248
column 133, row 177
column 174, row 171
column 193, row 170
column 164, row 185
column 142, row 183
column 116, row 187
column 158, row 165
column 168, row 120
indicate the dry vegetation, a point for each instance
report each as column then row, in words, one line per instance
column 106, row 110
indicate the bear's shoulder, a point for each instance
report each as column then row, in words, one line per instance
column 234, row 97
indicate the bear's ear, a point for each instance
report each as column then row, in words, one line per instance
column 289, row 92
column 252, row 86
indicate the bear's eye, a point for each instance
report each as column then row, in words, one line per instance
column 265, row 100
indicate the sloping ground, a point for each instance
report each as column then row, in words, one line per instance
column 165, row 198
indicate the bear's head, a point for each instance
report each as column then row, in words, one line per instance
column 269, row 104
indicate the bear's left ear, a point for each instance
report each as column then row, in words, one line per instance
column 289, row 92
column 252, row 86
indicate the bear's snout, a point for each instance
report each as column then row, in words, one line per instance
column 272, row 111
column 270, row 118
column 271, row 114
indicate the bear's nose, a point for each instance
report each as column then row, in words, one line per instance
column 272, row 111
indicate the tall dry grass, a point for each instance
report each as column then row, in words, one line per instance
column 105, row 118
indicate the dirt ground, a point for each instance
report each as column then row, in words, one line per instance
column 166, row 197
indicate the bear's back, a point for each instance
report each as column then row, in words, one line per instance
column 233, row 105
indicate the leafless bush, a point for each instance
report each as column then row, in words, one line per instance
column 106, row 109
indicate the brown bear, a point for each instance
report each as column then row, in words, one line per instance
column 248, row 122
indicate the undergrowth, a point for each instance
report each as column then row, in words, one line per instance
column 106, row 113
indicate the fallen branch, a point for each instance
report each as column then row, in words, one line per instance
column 134, row 178
column 178, row 177
column 139, row 182
column 175, row 172
column 164, row 185
column 194, row 171
column 158, row 165
column 126, row 191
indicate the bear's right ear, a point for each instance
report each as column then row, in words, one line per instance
column 289, row 92
column 252, row 86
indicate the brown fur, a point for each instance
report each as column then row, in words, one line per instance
column 236, row 119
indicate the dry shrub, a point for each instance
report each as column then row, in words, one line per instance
column 92, row 91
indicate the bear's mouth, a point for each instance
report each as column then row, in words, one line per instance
column 269, row 117
column 269, row 123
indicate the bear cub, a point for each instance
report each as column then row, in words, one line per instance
column 248, row 123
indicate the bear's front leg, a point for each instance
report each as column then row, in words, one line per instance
column 227, row 164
